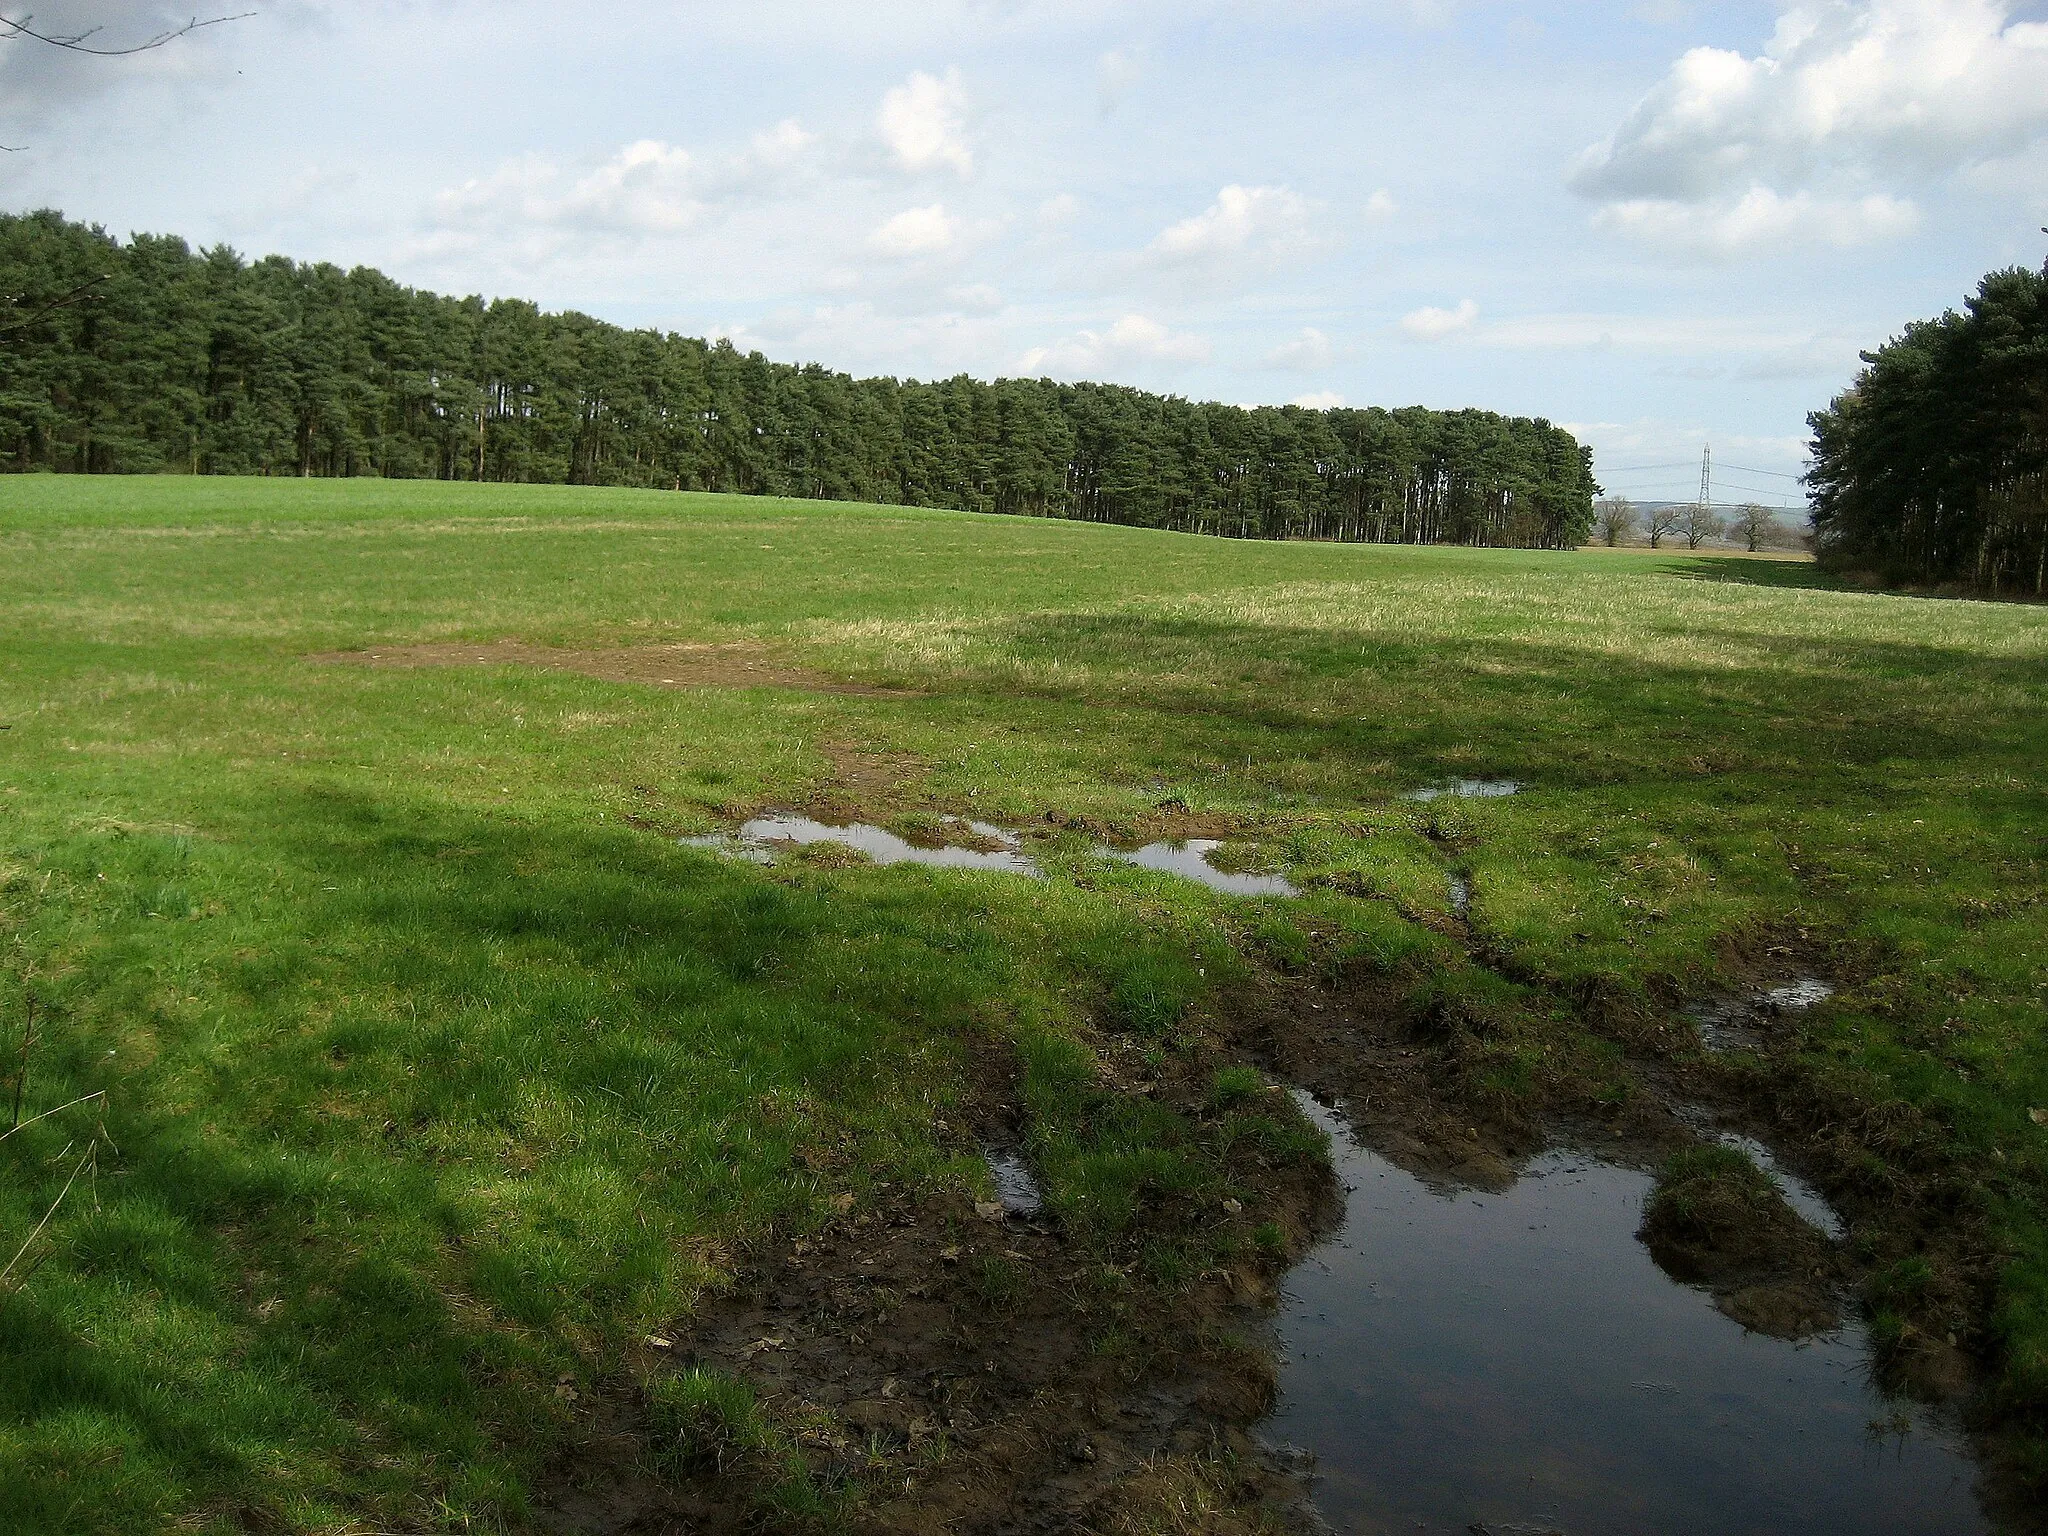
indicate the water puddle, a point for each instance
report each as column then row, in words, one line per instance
column 758, row 839
column 1468, row 789
column 1518, row 1362
column 1461, row 896
column 1016, row 1185
column 1741, row 1021
column 1190, row 860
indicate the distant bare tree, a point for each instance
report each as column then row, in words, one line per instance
column 1659, row 521
column 1699, row 523
column 1615, row 517
column 1753, row 524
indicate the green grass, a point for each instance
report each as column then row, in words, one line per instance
column 434, row 1072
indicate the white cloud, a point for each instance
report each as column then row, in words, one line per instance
column 1305, row 353
column 917, row 232
column 1431, row 324
column 1241, row 220
column 1760, row 219
column 647, row 187
column 1322, row 400
column 1132, row 340
column 1875, row 88
column 923, row 123
column 1381, row 205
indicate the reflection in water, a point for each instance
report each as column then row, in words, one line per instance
column 1190, row 860
column 758, row 837
column 1739, row 1021
column 1016, row 1185
column 756, row 841
column 1518, row 1360
column 1461, row 895
column 1468, row 789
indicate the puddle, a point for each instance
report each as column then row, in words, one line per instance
column 1190, row 860
column 1799, row 995
column 757, row 839
column 1461, row 896
column 1517, row 1361
column 1809, row 1202
column 1468, row 789
column 1740, row 1021
column 1016, row 1185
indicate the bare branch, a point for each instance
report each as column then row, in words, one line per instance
column 82, row 42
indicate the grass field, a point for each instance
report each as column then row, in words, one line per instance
column 433, row 1073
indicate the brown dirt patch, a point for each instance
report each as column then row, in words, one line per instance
column 735, row 664
column 963, row 1369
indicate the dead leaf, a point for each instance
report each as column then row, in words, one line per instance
column 2038, row 1116
column 989, row 1210
column 656, row 1341
column 1235, row 1207
column 842, row 1203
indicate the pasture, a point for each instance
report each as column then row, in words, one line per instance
column 427, row 1076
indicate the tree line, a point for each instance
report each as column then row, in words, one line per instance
column 1932, row 468
column 149, row 356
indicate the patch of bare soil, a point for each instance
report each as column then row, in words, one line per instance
column 863, row 778
column 735, row 664
column 949, row 1366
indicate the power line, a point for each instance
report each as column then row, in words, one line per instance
column 1750, row 469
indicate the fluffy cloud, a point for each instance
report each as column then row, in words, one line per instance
column 1308, row 352
column 1932, row 85
column 923, row 121
column 1731, row 153
column 917, row 232
column 1430, row 324
column 1242, row 220
column 1133, row 340
column 1760, row 219
column 647, row 188
column 1321, row 400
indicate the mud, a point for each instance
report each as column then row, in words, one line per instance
column 948, row 1364
column 952, row 1365
column 738, row 664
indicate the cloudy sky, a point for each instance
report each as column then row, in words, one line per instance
column 1659, row 222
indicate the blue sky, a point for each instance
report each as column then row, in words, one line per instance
column 1659, row 223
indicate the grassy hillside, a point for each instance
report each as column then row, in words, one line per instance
column 434, row 1074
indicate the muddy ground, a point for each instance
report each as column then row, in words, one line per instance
column 965, row 1369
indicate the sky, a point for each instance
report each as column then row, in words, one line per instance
column 1661, row 224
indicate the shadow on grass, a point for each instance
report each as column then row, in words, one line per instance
column 1811, row 705
column 449, row 1102
column 1736, row 570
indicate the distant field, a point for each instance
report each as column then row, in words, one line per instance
column 437, row 1075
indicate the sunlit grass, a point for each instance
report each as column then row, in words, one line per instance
column 434, row 1069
